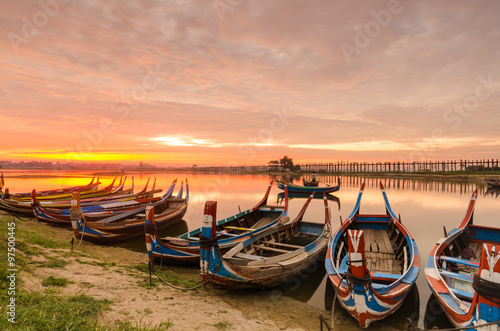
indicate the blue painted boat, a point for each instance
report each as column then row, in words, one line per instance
column 463, row 272
column 372, row 262
column 230, row 231
column 308, row 189
column 270, row 257
column 130, row 224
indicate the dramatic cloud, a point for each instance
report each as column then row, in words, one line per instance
column 244, row 82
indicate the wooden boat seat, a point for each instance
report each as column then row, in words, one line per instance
column 462, row 294
column 459, row 261
column 245, row 256
column 455, row 275
column 272, row 249
column 283, row 244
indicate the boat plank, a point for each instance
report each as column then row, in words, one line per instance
column 282, row 244
column 368, row 239
column 272, row 249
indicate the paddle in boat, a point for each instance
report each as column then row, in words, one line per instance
column 230, row 231
column 270, row 257
column 372, row 262
column 463, row 272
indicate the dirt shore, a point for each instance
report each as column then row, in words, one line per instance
column 121, row 276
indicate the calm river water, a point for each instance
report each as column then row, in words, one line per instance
column 425, row 207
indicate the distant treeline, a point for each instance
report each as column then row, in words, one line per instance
column 46, row 165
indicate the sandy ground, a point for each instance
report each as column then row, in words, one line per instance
column 203, row 309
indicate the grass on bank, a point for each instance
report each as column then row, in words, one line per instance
column 48, row 309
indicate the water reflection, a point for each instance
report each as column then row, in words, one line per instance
column 435, row 316
column 425, row 205
column 493, row 191
column 303, row 286
column 410, row 309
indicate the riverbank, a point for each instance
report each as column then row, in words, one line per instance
column 91, row 287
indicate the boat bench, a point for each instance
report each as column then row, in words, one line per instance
column 462, row 294
column 455, row 275
column 459, row 261
column 248, row 256
column 272, row 249
column 376, row 275
column 283, row 244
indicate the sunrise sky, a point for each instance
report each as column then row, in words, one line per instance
column 247, row 81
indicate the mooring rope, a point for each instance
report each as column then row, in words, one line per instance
column 486, row 289
column 152, row 230
column 366, row 280
column 77, row 214
column 151, row 268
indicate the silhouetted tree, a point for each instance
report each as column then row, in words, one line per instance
column 286, row 162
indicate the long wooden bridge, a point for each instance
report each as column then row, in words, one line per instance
column 416, row 166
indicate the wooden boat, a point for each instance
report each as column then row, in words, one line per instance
column 231, row 230
column 93, row 193
column 128, row 224
column 308, row 189
column 493, row 182
column 313, row 183
column 89, row 186
column 99, row 211
column 24, row 207
column 270, row 257
column 463, row 272
column 372, row 262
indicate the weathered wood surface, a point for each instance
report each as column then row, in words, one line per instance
column 379, row 254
